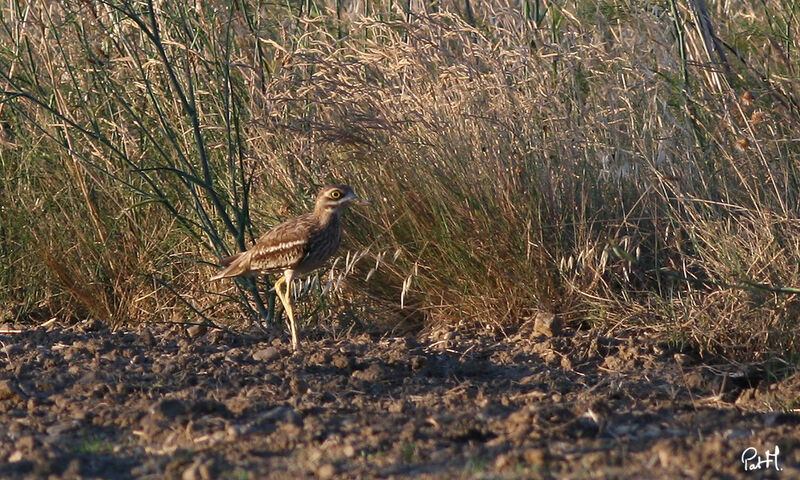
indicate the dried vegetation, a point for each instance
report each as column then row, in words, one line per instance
column 622, row 164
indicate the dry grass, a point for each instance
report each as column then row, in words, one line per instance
column 608, row 162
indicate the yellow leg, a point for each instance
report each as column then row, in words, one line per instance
column 290, row 314
column 286, row 299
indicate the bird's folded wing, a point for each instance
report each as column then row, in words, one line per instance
column 280, row 248
column 283, row 246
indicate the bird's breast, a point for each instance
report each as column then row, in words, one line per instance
column 323, row 243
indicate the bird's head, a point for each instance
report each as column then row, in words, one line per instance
column 337, row 197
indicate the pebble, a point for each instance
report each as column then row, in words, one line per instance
column 341, row 360
column 283, row 413
column 9, row 391
column 502, row 462
column 196, row 330
column 534, row 456
column 199, row 470
column 298, row 386
column 326, row 471
column 26, row 442
column 371, row 374
column 169, row 408
column 546, row 324
column 265, row 354
column 16, row 456
column 418, row 362
column 349, row 451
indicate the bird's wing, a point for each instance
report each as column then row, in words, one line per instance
column 283, row 246
column 280, row 248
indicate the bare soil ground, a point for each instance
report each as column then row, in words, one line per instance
column 87, row 402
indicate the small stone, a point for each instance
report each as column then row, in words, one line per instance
column 73, row 468
column 169, row 409
column 546, row 324
column 682, row 359
column 520, row 417
column 418, row 362
column 372, row 373
column 16, row 456
column 613, row 363
column 502, row 462
column 326, row 471
column 396, row 407
column 534, row 456
column 349, row 451
column 233, row 355
column 283, row 414
column 26, row 442
column 9, row 391
column 265, row 354
column 237, row 405
column 315, row 455
column 207, row 406
column 147, row 337
column 695, row 380
column 92, row 325
column 61, row 428
column 195, row 331
column 298, row 386
column 233, row 432
column 199, row 470
column 566, row 364
column 733, row 434
column 340, row 360
column 319, row 358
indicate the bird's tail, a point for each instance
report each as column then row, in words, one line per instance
column 235, row 266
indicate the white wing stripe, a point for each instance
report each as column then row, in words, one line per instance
column 282, row 246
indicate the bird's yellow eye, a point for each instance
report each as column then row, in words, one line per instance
column 336, row 194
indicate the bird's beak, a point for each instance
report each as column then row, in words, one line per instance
column 359, row 201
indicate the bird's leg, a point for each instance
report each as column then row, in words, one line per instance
column 277, row 287
column 285, row 296
column 278, row 291
column 288, row 274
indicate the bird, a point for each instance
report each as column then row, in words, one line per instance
column 296, row 247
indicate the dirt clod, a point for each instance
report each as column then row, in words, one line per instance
column 372, row 373
column 326, row 471
column 546, row 324
column 200, row 469
column 266, row 354
column 9, row 391
column 195, row 331
column 342, row 361
column 169, row 409
column 534, row 456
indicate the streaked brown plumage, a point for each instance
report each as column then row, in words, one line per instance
column 295, row 247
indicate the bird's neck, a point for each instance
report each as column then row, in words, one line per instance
column 325, row 216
